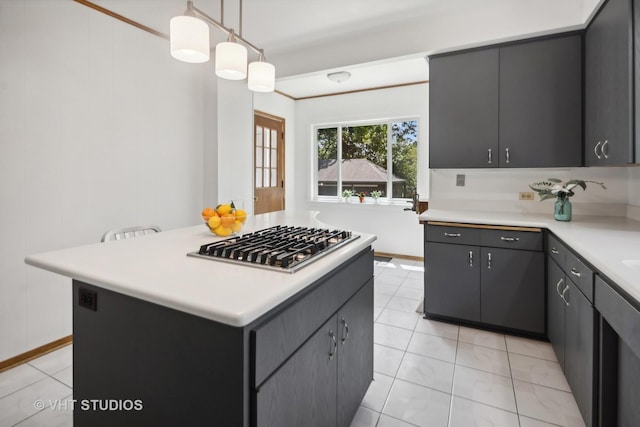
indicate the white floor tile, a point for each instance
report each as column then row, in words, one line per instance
column 378, row 392
column 65, row 376
column 547, row 404
column 376, row 312
column 386, row 289
column 410, row 293
column 403, row 304
column 532, row 422
column 529, row 347
column 414, row 283
column 387, row 421
column 441, row 329
column 386, row 360
column 483, row 358
column 401, row 319
column 433, row 346
column 391, row 336
column 61, row 416
column 380, row 300
column 538, row 371
column 426, row 371
column 365, row 418
column 54, row 361
column 22, row 404
column 466, row 413
column 483, row 338
column 484, row 387
column 418, row 405
column 16, row 378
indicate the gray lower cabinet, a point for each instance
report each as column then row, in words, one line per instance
column 324, row 381
column 487, row 283
column 572, row 331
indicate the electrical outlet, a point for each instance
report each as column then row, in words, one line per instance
column 460, row 180
column 88, row 299
column 525, row 195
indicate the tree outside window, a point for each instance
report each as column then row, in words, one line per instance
column 365, row 158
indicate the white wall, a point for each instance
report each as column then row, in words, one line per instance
column 99, row 128
column 398, row 231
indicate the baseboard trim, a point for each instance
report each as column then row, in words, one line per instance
column 35, row 353
column 409, row 257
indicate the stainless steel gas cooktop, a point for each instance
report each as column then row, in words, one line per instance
column 281, row 248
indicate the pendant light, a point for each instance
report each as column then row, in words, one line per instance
column 189, row 39
column 262, row 75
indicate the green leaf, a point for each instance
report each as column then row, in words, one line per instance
column 554, row 180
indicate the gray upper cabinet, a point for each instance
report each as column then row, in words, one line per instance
column 541, row 103
column 515, row 105
column 463, row 99
column 608, row 86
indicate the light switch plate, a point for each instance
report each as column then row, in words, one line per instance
column 525, row 195
column 460, row 180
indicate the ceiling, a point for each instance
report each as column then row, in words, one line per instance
column 322, row 35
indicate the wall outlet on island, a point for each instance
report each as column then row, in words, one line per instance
column 525, row 195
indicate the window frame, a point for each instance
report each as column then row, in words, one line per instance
column 338, row 126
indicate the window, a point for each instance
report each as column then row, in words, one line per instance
column 364, row 158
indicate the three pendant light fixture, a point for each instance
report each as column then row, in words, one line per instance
column 189, row 39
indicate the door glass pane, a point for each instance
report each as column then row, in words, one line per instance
column 258, row 156
column 404, row 154
column 259, row 133
column 258, row 177
column 327, row 140
column 266, row 177
column 267, row 139
column 274, row 158
column 266, row 157
column 274, row 138
column 274, row 177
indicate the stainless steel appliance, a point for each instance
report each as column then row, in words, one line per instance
column 281, row 248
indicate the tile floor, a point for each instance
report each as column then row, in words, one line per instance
column 427, row 373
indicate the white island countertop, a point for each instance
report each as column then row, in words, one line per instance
column 610, row 244
column 156, row 268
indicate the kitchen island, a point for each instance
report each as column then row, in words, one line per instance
column 161, row 338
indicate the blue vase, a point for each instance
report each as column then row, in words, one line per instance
column 562, row 209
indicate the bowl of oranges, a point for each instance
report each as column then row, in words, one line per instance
column 224, row 220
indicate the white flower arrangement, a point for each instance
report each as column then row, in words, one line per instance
column 553, row 187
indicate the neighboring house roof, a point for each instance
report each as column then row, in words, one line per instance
column 353, row 170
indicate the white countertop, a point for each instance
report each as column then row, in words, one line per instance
column 156, row 268
column 611, row 244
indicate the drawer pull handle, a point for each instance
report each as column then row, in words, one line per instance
column 345, row 328
column 560, row 282
column 575, row 272
column 554, row 251
column 452, row 234
column 489, row 155
column 510, row 239
column 333, row 345
column 563, row 295
column 506, row 155
column 604, row 152
column 489, row 260
column 470, row 258
column 595, row 150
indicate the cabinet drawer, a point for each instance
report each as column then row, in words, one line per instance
column 526, row 240
column 556, row 250
column 623, row 317
column 278, row 337
column 450, row 234
column 579, row 274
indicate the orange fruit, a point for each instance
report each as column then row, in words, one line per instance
column 222, row 231
column 241, row 215
column 214, row 222
column 237, row 226
column 208, row 212
column 227, row 219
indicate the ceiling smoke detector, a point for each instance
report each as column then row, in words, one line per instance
column 339, row 76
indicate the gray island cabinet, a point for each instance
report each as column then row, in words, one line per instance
column 164, row 339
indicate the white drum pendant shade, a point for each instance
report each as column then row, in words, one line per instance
column 262, row 77
column 231, row 61
column 189, row 39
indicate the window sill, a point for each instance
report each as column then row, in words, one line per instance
column 368, row 201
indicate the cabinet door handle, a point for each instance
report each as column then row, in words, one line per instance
column 554, row 251
column 470, row 258
column 506, row 155
column 510, row 239
column 489, row 155
column 489, row 260
column 345, row 330
column 333, row 345
column 452, row 234
column 560, row 282
column 575, row 272
column 564, row 292
column 595, row 150
column 604, row 152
